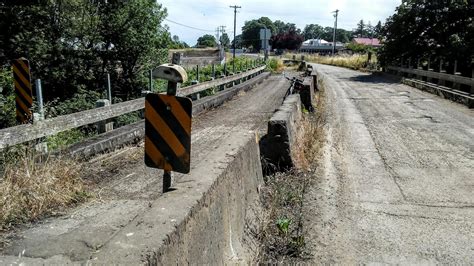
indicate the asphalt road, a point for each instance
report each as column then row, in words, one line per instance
column 396, row 176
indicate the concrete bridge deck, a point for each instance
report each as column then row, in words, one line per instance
column 130, row 221
column 396, row 182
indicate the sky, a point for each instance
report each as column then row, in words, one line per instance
column 206, row 15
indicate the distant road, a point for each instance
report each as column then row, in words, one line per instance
column 396, row 181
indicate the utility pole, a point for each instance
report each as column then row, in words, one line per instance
column 233, row 45
column 220, row 31
column 334, row 34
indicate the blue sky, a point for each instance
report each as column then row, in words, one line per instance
column 207, row 15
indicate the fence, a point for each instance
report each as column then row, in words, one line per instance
column 28, row 132
column 453, row 86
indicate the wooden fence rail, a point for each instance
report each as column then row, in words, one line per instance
column 435, row 75
column 28, row 132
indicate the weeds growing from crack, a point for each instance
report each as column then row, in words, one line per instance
column 283, row 236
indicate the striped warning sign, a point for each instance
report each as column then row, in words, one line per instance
column 24, row 96
column 168, row 132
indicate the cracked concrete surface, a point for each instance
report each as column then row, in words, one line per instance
column 396, row 177
column 130, row 208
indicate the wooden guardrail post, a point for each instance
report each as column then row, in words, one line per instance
column 472, row 73
column 441, row 82
column 428, row 79
column 106, row 125
column 456, row 86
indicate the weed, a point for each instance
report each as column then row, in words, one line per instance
column 30, row 190
column 283, row 225
column 283, row 195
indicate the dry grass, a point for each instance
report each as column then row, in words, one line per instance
column 31, row 190
column 356, row 61
column 283, row 236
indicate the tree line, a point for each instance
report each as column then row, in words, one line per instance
column 286, row 35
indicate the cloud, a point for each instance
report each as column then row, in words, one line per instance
column 209, row 14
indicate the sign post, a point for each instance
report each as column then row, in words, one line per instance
column 23, row 91
column 168, row 126
column 265, row 35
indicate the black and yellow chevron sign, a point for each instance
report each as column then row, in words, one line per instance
column 168, row 132
column 24, row 94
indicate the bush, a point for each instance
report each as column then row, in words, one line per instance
column 275, row 65
column 7, row 98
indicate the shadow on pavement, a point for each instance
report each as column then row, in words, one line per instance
column 376, row 78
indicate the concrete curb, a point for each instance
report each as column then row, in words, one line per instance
column 135, row 132
column 282, row 132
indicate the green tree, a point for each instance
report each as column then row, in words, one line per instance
column 206, row 40
column 342, row 35
column 224, row 40
column 132, row 39
column 251, row 32
column 370, row 30
column 360, row 31
column 72, row 44
column 378, row 29
column 313, row 31
column 238, row 41
column 422, row 29
column 177, row 44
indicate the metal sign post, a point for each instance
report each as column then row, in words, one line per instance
column 168, row 126
column 265, row 35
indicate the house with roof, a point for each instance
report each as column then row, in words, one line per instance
column 319, row 46
column 374, row 42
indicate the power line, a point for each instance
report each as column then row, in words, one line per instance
column 191, row 27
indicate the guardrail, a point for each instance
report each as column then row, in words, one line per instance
column 28, row 132
column 435, row 75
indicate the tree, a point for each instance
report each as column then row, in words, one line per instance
column 313, row 31
column 177, row 44
column 133, row 37
column 421, row 29
column 378, row 30
column 206, row 40
column 342, row 35
column 251, row 32
column 360, row 31
column 238, row 41
column 72, row 44
column 290, row 40
column 370, row 31
column 224, row 40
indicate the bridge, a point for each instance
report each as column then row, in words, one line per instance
column 393, row 181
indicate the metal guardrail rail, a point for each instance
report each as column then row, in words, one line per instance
column 28, row 132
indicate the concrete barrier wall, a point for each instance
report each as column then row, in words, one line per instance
column 210, row 219
column 282, row 133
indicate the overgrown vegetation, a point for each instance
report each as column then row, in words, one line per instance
column 421, row 29
column 30, row 190
column 275, row 65
column 355, row 61
column 283, row 236
column 72, row 45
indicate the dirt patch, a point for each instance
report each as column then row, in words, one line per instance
column 283, row 239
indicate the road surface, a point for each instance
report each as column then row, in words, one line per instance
column 396, row 176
